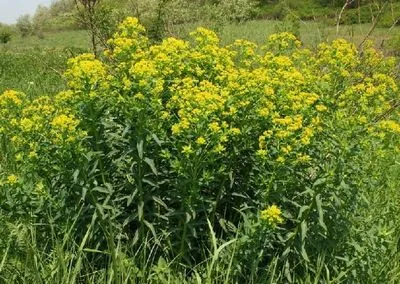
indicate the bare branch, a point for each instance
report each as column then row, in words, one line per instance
column 374, row 23
column 348, row 2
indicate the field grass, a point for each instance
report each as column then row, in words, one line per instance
column 75, row 39
column 35, row 65
column 311, row 33
column 34, row 72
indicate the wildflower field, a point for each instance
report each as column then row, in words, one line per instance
column 194, row 162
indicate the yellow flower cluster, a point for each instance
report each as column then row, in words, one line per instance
column 270, row 101
column 272, row 214
column 282, row 42
column 86, row 72
column 208, row 96
column 12, row 179
column 12, row 96
column 128, row 41
column 390, row 125
column 36, row 127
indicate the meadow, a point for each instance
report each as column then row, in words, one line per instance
column 201, row 158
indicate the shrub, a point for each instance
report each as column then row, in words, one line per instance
column 290, row 24
column 5, row 34
column 269, row 146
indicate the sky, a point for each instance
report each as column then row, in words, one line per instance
column 10, row 10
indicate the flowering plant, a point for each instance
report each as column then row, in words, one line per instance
column 161, row 138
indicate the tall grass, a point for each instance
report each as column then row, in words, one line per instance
column 33, row 71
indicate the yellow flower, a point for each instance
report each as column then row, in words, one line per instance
column 301, row 158
column 176, row 129
column 187, row 150
column 165, row 115
column 390, row 125
column 40, row 189
column 235, row 131
column 85, row 69
column 13, row 96
column 139, row 96
column 262, row 153
column 263, row 112
column 272, row 214
column 286, row 149
column 12, row 179
column 201, row 140
column 280, row 159
column 26, row 124
column 321, row 108
column 219, row 149
column 19, row 157
column 65, row 122
column 32, row 154
column 214, row 127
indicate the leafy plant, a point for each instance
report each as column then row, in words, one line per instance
column 192, row 161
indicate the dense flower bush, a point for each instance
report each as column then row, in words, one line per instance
column 161, row 139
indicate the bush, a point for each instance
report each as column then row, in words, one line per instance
column 269, row 158
column 5, row 34
column 290, row 23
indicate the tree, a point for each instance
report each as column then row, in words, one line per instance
column 87, row 16
column 24, row 25
column 41, row 17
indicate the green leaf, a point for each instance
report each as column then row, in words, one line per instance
column 231, row 179
column 150, row 182
column 303, row 230
column 160, row 202
column 320, row 212
column 150, row 162
column 96, row 251
column 302, row 210
column 101, row 189
column 288, row 271
column 151, row 227
column 139, row 147
column 140, row 210
column 319, row 182
column 75, row 175
column 304, row 254
column 100, row 209
column 158, row 141
column 286, row 252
